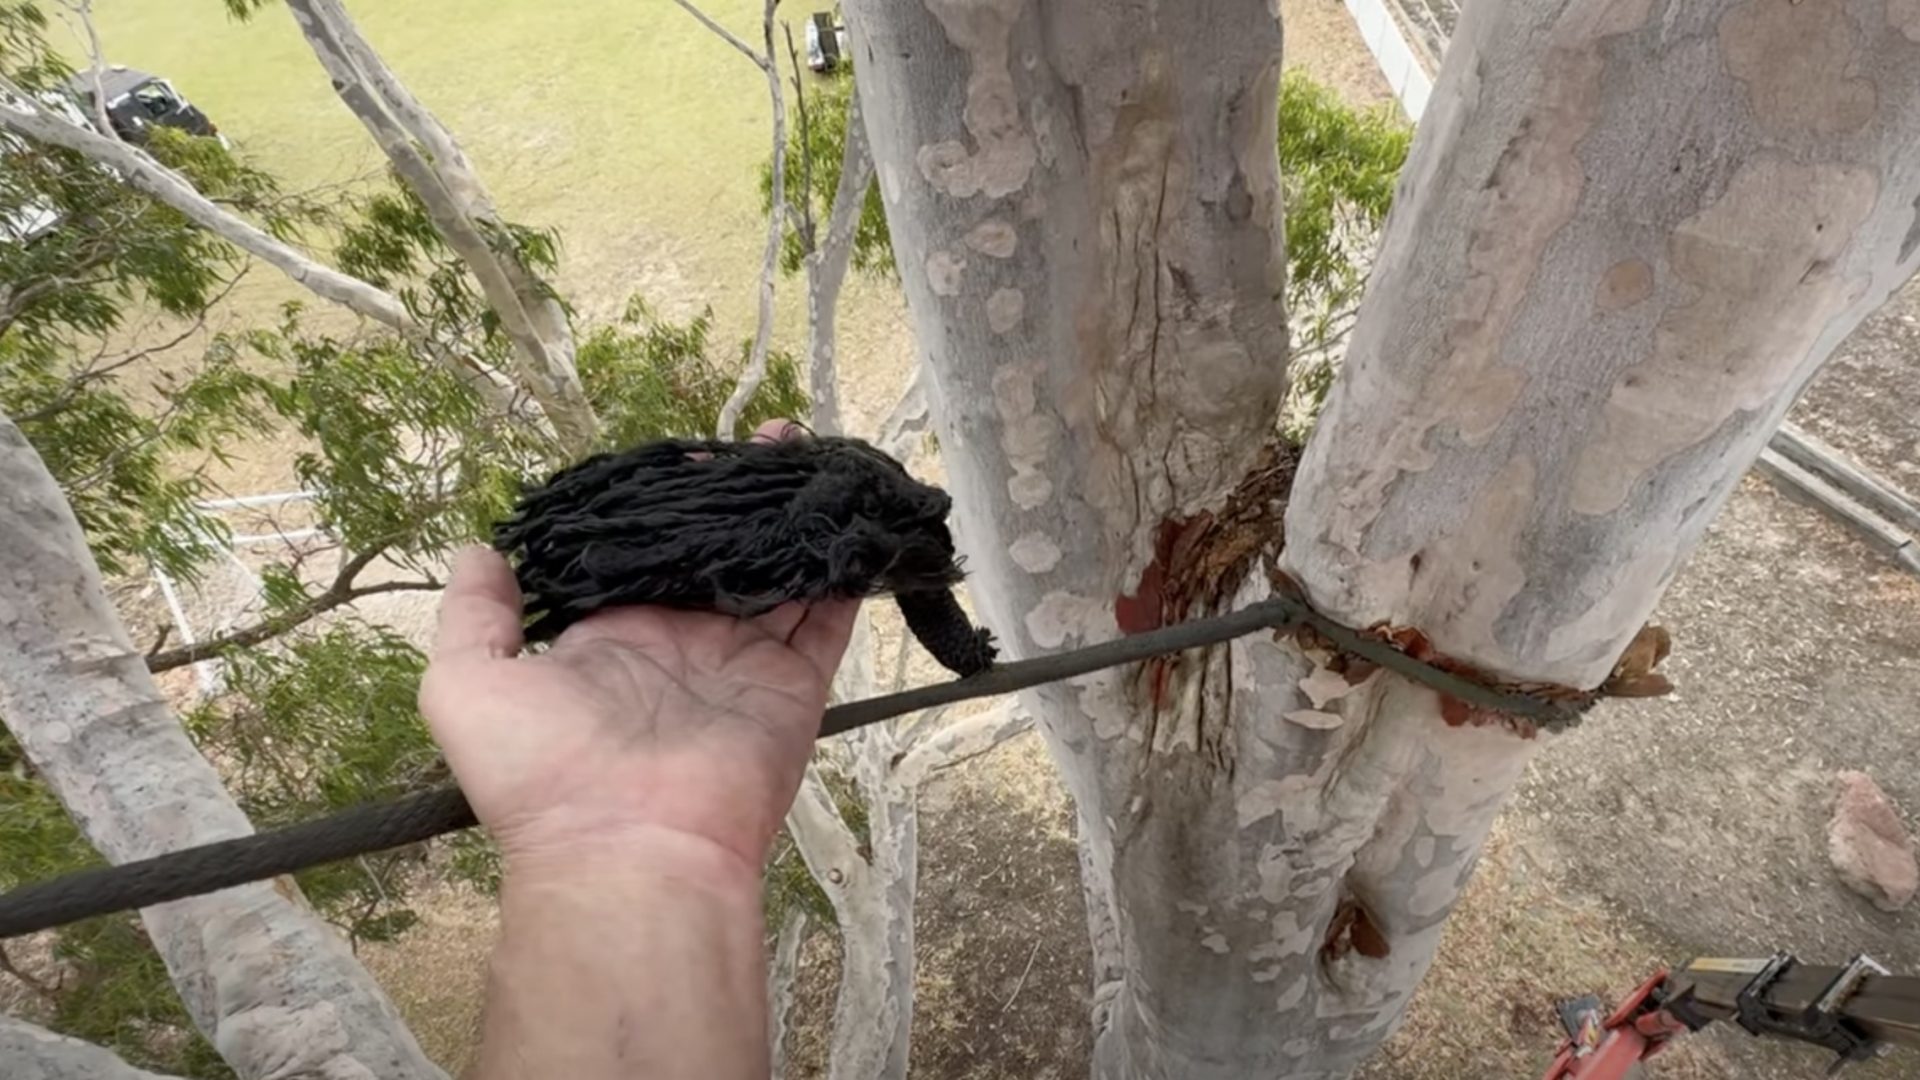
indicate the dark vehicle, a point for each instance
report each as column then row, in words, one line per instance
column 137, row 101
column 824, row 42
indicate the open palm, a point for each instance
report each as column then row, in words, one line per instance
column 636, row 719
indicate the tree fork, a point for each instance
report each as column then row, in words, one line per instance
column 1626, row 237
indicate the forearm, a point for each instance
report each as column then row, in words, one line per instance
column 645, row 962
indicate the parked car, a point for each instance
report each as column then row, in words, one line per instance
column 25, row 218
column 137, row 101
column 826, row 42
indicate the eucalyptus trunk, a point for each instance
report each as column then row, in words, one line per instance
column 1628, row 234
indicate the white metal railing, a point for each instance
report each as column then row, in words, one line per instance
column 210, row 675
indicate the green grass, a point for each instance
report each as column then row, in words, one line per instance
column 622, row 123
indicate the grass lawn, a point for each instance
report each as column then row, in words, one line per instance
column 621, row 122
column 624, row 124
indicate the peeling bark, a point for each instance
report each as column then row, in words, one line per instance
column 275, row 989
column 34, row 1053
column 1627, row 235
column 432, row 165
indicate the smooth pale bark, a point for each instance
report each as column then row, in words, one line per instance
column 34, row 1053
column 1628, row 234
column 146, row 175
column 826, row 269
column 427, row 159
column 276, row 990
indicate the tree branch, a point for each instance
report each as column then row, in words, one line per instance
column 93, row 725
column 746, row 50
column 82, row 10
column 34, row 1053
column 825, row 842
column 457, row 204
column 935, row 747
column 804, row 225
column 339, row 594
column 756, row 370
column 827, row 267
column 23, row 117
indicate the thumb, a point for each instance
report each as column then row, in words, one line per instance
column 480, row 614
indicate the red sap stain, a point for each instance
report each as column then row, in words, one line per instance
column 1140, row 612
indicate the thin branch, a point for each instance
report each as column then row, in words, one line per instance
column 340, row 593
column 96, row 62
column 804, row 226
column 22, row 116
column 746, row 50
column 96, row 370
column 756, row 370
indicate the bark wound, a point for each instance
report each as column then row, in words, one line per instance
column 1758, row 265
column 1353, row 929
column 1795, row 60
column 1200, row 562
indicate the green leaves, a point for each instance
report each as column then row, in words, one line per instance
column 327, row 722
column 1336, row 163
column 814, row 159
column 1338, row 169
column 650, row 378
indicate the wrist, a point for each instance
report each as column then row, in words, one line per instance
column 614, row 862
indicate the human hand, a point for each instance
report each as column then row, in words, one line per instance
column 637, row 721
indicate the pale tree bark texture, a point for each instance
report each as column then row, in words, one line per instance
column 275, row 989
column 1628, row 234
column 34, row 1053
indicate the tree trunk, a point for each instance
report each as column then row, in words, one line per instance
column 34, row 1053
column 275, row 989
column 872, row 896
column 1625, row 239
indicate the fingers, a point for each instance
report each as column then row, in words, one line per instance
column 773, row 431
column 480, row 611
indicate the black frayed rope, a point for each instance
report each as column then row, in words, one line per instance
column 897, row 516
